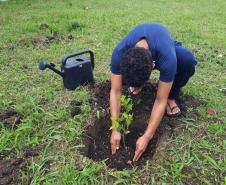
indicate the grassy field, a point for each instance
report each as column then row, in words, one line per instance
column 195, row 157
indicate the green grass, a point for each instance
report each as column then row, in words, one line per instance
column 196, row 156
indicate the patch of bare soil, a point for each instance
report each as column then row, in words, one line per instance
column 11, row 169
column 55, row 37
column 14, row 169
column 97, row 145
column 9, row 118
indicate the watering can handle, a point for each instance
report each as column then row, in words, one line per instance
column 66, row 57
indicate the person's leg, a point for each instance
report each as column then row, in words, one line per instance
column 185, row 69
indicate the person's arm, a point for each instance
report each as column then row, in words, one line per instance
column 115, row 94
column 159, row 108
column 157, row 113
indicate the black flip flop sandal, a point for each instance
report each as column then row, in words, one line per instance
column 178, row 114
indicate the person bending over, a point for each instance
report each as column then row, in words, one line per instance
column 149, row 46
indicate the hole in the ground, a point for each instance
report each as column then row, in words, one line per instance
column 97, row 140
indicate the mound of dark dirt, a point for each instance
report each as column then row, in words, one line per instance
column 9, row 118
column 11, row 169
column 32, row 152
column 97, row 145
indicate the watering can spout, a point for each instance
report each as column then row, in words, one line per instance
column 43, row 65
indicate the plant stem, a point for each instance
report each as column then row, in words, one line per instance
column 123, row 140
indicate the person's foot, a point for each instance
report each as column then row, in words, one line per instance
column 172, row 108
column 135, row 90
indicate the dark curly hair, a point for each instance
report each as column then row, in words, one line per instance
column 136, row 66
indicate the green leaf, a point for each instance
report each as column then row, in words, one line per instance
column 211, row 160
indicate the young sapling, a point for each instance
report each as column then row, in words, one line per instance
column 126, row 117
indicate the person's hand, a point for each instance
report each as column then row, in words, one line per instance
column 141, row 146
column 115, row 141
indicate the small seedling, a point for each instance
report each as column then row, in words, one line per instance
column 126, row 117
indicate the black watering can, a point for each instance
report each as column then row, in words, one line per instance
column 75, row 72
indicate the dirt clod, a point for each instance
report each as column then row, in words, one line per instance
column 10, row 122
column 75, row 111
column 75, row 108
column 43, row 26
column 75, row 103
column 31, row 152
column 75, row 25
column 39, row 40
column 70, row 37
column 9, row 118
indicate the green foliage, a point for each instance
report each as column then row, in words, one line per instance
column 69, row 175
column 176, row 170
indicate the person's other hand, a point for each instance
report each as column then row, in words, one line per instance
column 115, row 141
column 141, row 146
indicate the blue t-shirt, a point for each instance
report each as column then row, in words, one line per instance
column 160, row 44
